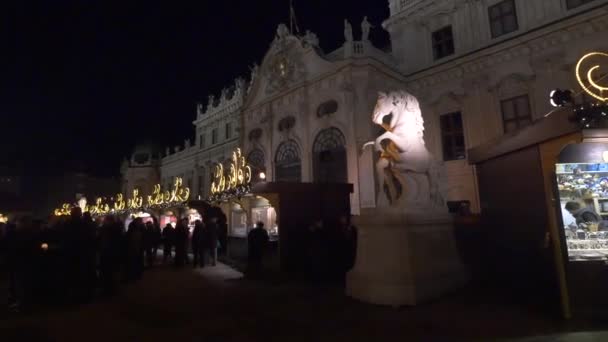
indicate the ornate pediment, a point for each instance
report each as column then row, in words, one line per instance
column 284, row 65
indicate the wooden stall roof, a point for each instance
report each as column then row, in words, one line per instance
column 555, row 125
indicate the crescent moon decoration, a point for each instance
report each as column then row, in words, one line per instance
column 593, row 89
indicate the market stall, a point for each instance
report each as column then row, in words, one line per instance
column 532, row 240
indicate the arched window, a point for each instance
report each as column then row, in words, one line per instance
column 329, row 157
column 201, row 180
column 255, row 159
column 288, row 166
column 327, row 108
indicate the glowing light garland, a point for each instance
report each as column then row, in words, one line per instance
column 235, row 183
column 174, row 197
column 239, row 174
column 593, row 87
column 591, row 115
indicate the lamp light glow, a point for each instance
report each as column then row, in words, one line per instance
column 594, row 89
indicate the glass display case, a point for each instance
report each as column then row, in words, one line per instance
column 583, row 195
column 268, row 216
column 239, row 223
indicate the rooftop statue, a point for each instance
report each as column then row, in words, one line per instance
column 239, row 84
column 282, row 31
column 310, row 39
column 409, row 171
column 210, row 102
column 365, row 29
column 348, row 31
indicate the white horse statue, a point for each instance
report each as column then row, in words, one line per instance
column 405, row 158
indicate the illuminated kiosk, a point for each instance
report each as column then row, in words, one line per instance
column 406, row 249
column 540, row 251
column 291, row 207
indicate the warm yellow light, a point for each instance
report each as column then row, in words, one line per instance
column 262, row 176
column 135, row 201
column 44, row 247
column 594, row 88
column 3, row 219
column 177, row 194
column 65, row 210
column 239, row 173
column 119, row 203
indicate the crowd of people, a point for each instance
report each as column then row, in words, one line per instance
column 74, row 258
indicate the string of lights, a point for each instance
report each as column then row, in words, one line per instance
column 588, row 115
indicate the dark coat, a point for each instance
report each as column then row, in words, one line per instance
column 585, row 215
column 210, row 235
column 197, row 237
column 168, row 235
column 181, row 236
column 258, row 242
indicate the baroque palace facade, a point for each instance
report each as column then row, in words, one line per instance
column 485, row 68
column 480, row 69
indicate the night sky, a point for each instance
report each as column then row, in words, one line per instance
column 84, row 81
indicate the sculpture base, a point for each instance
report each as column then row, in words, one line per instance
column 404, row 258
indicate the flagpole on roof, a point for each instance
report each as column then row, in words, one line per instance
column 292, row 18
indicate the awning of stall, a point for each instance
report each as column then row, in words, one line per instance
column 555, row 125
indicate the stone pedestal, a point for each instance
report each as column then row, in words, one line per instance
column 404, row 258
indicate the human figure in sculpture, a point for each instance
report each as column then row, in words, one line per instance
column 365, row 29
column 348, row 31
column 282, row 31
column 311, row 39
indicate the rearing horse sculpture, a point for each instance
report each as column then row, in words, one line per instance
column 406, row 153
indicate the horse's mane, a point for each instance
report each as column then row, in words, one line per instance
column 412, row 106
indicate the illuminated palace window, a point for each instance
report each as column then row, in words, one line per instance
column 288, row 166
column 228, row 130
column 516, row 113
column 443, row 42
column 503, row 18
column 255, row 159
column 329, row 155
column 452, row 136
column 214, row 136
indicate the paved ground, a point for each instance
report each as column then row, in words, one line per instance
column 217, row 305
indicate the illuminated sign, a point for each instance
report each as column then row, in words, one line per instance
column 588, row 80
column 239, row 174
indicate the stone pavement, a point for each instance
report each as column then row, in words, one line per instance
column 216, row 304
